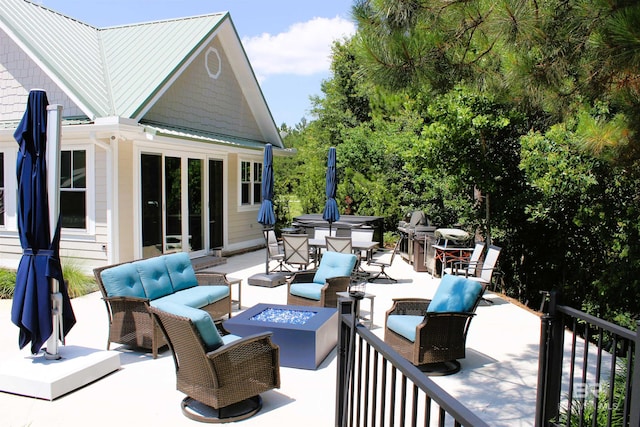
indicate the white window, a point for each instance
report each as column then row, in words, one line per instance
column 73, row 188
column 74, row 203
column 250, row 182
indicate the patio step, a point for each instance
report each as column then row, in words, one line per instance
column 207, row 261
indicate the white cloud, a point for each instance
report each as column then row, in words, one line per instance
column 304, row 49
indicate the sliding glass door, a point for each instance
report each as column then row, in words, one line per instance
column 172, row 201
column 152, row 201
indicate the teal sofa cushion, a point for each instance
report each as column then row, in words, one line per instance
column 229, row 338
column 181, row 271
column 155, row 277
column 455, row 294
column 334, row 264
column 201, row 320
column 196, row 297
column 307, row 290
column 404, row 325
column 122, row 281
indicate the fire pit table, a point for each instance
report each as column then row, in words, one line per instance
column 306, row 335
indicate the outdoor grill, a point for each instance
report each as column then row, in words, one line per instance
column 416, row 238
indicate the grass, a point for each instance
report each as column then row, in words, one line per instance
column 79, row 283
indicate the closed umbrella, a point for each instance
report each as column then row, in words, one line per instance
column 32, row 302
column 331, row 213
column 266, row 215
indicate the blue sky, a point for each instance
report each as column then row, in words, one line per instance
column 288, row 41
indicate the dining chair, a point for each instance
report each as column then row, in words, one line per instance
column 482, row 273
column 363, row 235
column 275, row 251
column 296, row 250
column 319, row 233
column 339, row 244
column 466, row 267
column 384, row 261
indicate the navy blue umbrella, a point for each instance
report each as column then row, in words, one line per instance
column 31, row 310
column 266, row 216
column 331, row 213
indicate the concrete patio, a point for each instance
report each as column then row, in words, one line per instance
column 497, row 379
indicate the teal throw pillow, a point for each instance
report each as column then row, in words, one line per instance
column 334, row 264
column 200, row 318
column 455, row 294
column 180, row 271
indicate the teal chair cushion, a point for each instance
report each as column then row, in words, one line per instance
column 181, row 271
column 307, row 290
column 201, row 320
column 196, row 297
column 455, row 294
column 404, row 325
column 334, row 264
column 122, row 281
column 155, row 277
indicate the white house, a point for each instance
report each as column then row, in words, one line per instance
column 163, row 131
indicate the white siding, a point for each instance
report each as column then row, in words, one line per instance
column 198, row 101
column 18, row 75
column 243, row 228
column 126, row 205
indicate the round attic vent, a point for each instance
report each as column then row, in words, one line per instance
column 213, row 63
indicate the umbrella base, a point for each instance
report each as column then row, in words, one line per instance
column 50, row 356
column 35, row 376
column 270, row 280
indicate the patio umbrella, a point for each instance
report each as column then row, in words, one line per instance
column 32, row 301
column 266, row 216
column 331, row 213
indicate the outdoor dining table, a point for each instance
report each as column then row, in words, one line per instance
column 356, row 246
column 450, row 254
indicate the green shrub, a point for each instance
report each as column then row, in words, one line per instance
column 78, row 282
column 598, row 406
column 7, row 283
column 390, row 239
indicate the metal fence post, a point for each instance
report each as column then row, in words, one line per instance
column 543, row 363
column 344, row 334
column 549, row 364
column 634, row 399
column 554, row 370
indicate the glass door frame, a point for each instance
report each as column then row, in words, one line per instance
column 184, row 157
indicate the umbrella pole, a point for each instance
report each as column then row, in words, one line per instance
column 266, row 240
column 54, row 114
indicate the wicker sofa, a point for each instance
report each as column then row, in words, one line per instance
column 128, row 289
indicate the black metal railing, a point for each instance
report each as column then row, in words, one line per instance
column 378, row 387
column 589, row 370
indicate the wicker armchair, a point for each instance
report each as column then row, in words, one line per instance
column 431, row 334
column 130, row 322
column 318, row 287
column 228, row 377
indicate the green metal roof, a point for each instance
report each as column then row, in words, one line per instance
column 111, row 71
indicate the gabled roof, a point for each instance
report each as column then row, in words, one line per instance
column 121, row 71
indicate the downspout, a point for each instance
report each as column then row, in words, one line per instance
column 111, row 148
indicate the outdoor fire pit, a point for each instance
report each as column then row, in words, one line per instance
column 306, row 335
